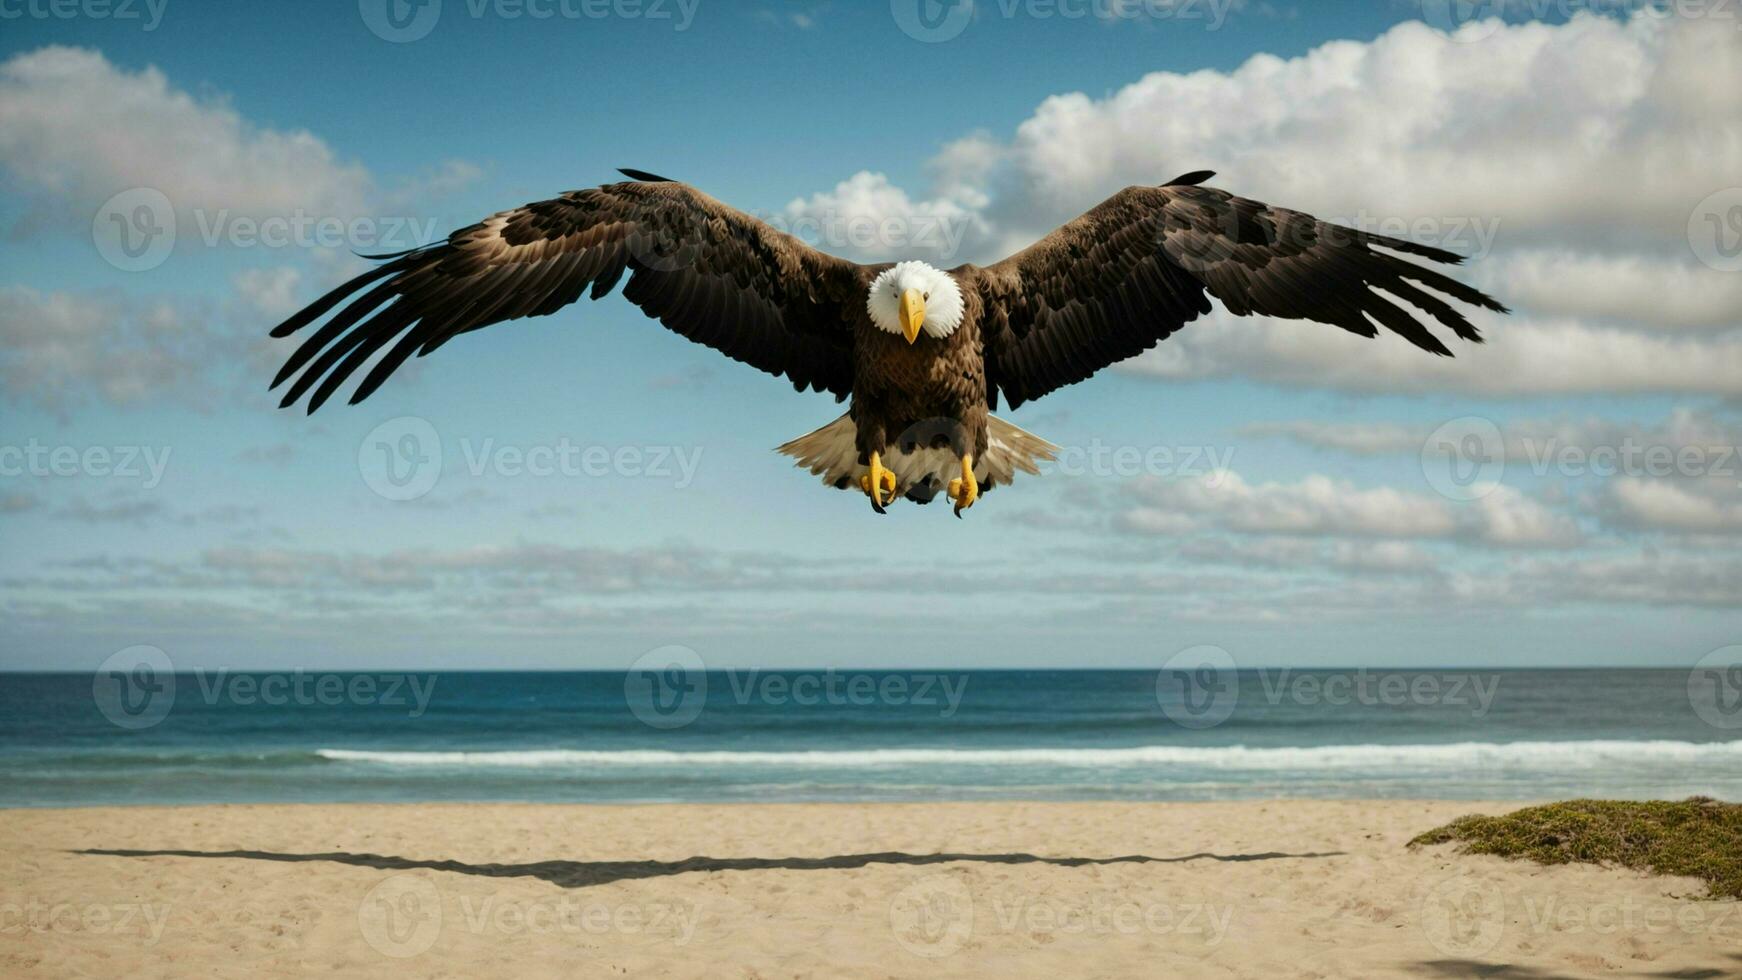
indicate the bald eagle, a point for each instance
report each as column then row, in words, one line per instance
column 923, row 353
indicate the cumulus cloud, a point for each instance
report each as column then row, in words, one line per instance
column 75, row 129
column 1585, row 146
column 1362, row 557
column 1597, row 124
column 871, row 219
column 565, row 591
column 1700, row 507
column 1319, row 506
column 1645, row 578
column 1529, row 440
column 270, row 293
column 1523, row 356
column 76, row 126
column 59, row 350
column 1681, row 475
column 1650, row 290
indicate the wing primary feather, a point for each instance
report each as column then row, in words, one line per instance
column 755, row 295
column 357, row 310
column 1403, row 245
column 613, row 271
column 1437, row 308
column 394, row 322
column 320, row 307
column 1400, row 322
column 387, row 365
column 326, row 361
column 1446, row 284
column 402, row 252
column 1190, row 180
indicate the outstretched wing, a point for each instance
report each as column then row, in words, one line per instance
column 1135, row 268
column 707, row 271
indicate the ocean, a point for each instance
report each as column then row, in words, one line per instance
column 134, row 737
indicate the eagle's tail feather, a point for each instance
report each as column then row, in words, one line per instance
column 1009, row 449
column 832, row 453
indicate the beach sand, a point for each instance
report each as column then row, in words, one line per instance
column 1057, row 890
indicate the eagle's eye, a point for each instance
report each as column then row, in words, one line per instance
column 926, row 296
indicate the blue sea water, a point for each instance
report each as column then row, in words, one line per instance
column 73, row 739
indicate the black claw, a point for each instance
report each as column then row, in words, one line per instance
column 958, row 512
column 878, row 507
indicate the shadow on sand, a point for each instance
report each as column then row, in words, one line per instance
column 582, row 874
column 1506, row 971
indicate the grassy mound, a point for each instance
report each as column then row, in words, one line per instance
column 1698, row 837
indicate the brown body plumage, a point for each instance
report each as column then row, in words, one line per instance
column 1104, row 287
column 898, row 388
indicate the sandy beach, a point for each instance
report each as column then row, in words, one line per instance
column 1251, row 889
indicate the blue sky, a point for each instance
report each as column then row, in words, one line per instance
column 1573, row 158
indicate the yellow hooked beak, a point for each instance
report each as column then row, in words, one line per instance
column 912, row 314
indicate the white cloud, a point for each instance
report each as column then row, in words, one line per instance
column 58, row 350
column 1380, row 556
column 1681, row 475
column 1376, row 557
column 1610, row 126
column 1522, row 357
column 1597, row 124
column 1585, row 146
column 1319, row 506
column 270, row 293
column 1511, row 519
column 1530, row 440
column 76, row 127
column 1663, row 291
column 870, row 219
column 1646, row 578
column 1667, row 505
column 1315, row 505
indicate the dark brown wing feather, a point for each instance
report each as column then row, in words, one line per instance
column 707, row 271
column 1135, row 268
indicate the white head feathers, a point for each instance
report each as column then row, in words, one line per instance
column 943, row 298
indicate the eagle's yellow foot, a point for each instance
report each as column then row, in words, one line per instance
column 967, row 489
column 877, row 483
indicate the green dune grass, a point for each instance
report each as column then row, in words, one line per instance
column 1697, row 837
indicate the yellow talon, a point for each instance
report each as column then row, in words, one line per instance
column 876, row 482
column 967, row 489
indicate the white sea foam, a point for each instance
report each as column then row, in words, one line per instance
column 1550, row 756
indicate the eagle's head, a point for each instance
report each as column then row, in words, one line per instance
column 912, row 296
